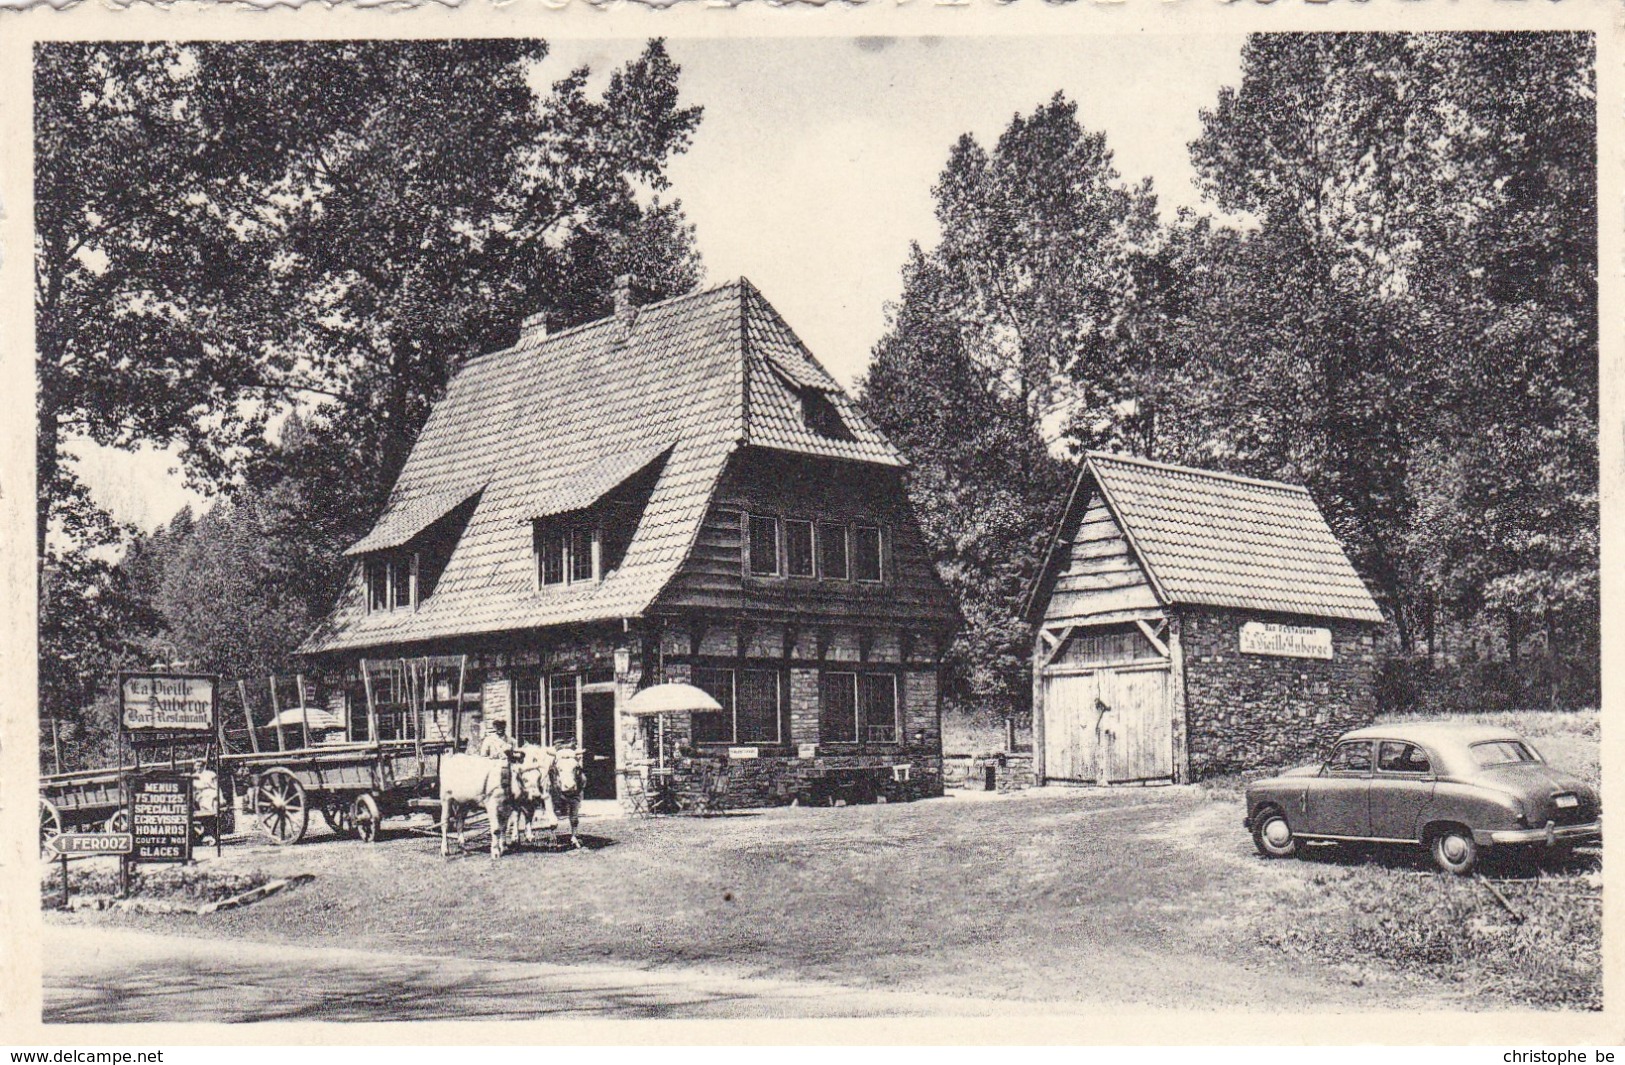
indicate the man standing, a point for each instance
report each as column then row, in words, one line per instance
column 496, row 743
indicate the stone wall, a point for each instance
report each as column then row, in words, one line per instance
column 773, row 780
column 1251, row 711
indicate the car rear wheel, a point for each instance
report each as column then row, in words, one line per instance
column 1273, row 836
column 1454, row 850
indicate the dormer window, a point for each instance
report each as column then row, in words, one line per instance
column 568, row 553
column 392, row 581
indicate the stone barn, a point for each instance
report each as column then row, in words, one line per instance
column 678, row 492
column 1190, row 623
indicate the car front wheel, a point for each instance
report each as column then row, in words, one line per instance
column 1273, row 836
column 1454, row 850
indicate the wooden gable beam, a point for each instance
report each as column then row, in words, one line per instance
column 1056, row 640
column 1152, row 635
column 866, row 642
column 697, row 627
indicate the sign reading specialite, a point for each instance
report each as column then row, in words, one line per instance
column 161, row 817
column 1287, row 641
column 166, row 701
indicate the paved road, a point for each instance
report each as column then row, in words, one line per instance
column 101, row 974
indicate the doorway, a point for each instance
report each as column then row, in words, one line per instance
column 598, row 741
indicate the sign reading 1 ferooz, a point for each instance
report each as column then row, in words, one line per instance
column 166, row 701
column 1287, row 641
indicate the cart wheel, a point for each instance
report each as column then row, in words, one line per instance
column 117, row 821
column 336, row 812
column 364, row 816
column 50, row 827
column 280, row 801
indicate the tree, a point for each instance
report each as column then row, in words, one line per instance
column 229, row 231
column 1015, row 321
column 1417, row 233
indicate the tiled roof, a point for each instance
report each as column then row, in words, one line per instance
column 409, row 512
column 1218, row 540
column 552, row 423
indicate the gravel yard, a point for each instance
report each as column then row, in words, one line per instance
column 1147, row 896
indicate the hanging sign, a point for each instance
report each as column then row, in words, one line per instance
column 1286, row 641
column 161, row 817
column 150, row 701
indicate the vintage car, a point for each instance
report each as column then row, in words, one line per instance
column 1455, row 789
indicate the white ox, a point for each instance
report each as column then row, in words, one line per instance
column 533, row 791
column 469, row 780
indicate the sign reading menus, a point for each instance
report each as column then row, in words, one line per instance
column 1286, row 641
column 161, row 817
column 149, row 701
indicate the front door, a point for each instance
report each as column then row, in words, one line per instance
column 1402, row 786
column 598, row 743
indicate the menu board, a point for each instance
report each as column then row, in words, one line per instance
column 161, row 817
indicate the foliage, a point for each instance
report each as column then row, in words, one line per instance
column 1013, row 318
column 229, row 232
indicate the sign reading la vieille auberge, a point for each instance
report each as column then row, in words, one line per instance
column 1287, row 641
column 167, row 701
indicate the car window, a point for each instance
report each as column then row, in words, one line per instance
column 1352, row 757
column 1502, row 752
column 1396, row 757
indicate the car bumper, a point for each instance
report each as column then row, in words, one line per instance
column 1549, row 835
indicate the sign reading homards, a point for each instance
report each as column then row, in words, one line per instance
column 161, row 817
column 149, row 701
column 1286, row 641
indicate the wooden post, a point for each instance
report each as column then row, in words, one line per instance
column 1176, row 695
column 304, row 707
column 56, row 746
column 418, row 706
column 276, row 715
column 248, row 717
column 372, row 708
column 1040, row 659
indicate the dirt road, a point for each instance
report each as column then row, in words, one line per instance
column 1141, row 896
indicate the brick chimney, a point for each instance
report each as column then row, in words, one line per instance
column 626, row 315
column 534, row 325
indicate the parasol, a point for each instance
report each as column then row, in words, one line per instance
column 658, row 700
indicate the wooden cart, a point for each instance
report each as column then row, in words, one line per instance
column 92, row 800
column 353, row 785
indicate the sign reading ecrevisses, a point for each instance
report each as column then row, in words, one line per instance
column 1285, row 641
column 151, row 701
column 161, row 817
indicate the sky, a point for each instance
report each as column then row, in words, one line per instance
column 811, row 171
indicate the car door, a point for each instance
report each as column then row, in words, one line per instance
column 1337, row 802
column 1400, row 788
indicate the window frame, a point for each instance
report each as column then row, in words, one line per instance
column 730, row 713
column 399, row 573
column 812, row 549
column 1410, row 773
column 865, row 726
column 1370, row 765
column 563, row 537
column 846, row 550
column 751, row 520
column 880, row 553
column 859, row 725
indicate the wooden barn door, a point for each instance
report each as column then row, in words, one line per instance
column 1138, row 727
column 1069, row 713
column 1108, row 726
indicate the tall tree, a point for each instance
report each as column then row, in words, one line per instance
column 225, row 231
column 1013, row 324
column 1418, row 213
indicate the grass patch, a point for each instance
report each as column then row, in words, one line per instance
column 173, row 883
column 1449, row 929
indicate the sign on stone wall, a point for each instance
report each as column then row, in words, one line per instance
column 494, row 700
column 1286, row 641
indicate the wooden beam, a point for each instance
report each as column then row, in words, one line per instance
column 1056, row 642
column 905, row 645
column 866, row 643
column 1151, row 634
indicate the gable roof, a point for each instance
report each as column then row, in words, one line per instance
column 554, row 423
column 1215, row 539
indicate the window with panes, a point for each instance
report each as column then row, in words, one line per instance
column 833, row 561
column 562, row 702
column 751, row 701
column 764, row 546
column 866, row 553
column 798, row 548
column 527, row 711
column 858, row 707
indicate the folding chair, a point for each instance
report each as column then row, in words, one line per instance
column 635, row 790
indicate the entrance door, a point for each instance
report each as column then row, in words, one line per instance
column 598, row 741
column 1108, row 726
